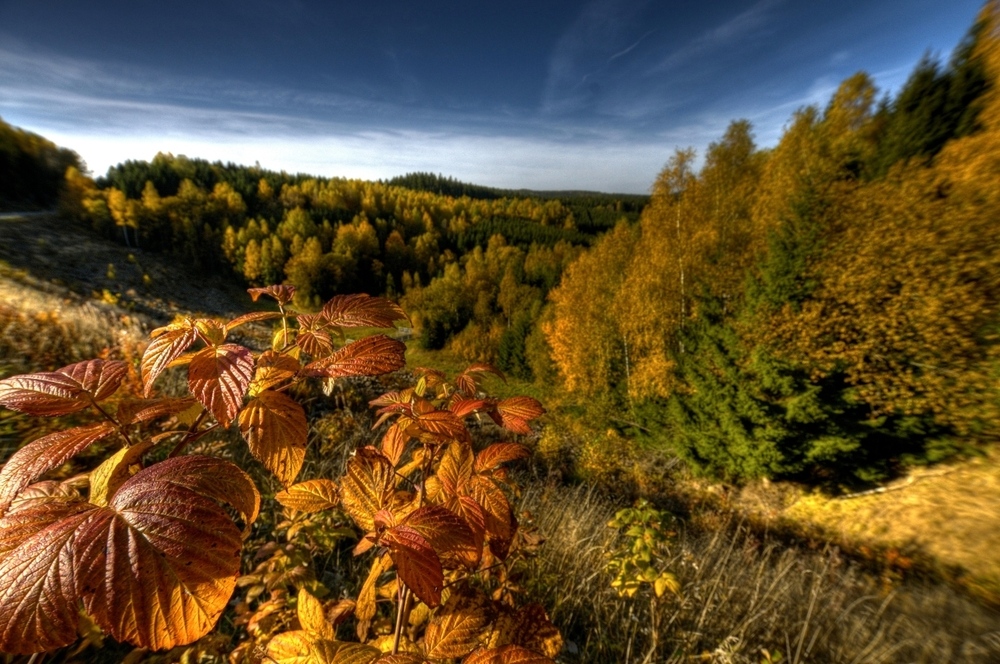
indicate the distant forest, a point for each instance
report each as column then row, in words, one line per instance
column 827, row 309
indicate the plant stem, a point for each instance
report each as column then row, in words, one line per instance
column 404, row 597
column 121, row 429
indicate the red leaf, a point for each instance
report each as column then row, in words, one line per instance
column 371, row 356
column 500, row 453
column 219, row 377
column 362, row 310
column 168, row 344
column 39, row 456
column 416, row 562
column 283, row 294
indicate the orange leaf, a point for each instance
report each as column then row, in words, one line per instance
column 362, row 310
column 219, row 377
column 447, row 533
column 41, row 455
column 515, row 413
column 275, row 428
column 499, row 518
column 168, row 344
column 463, row 407
column 506, row 655
column 500, row 453
column 371, row 356
column 473, row 516
column 367, row 486
column 272, row 370
column 456, row 467
column 162, row 522
column 416, row 562
column 310, row 496
column 394, row 443
column 283, row 294
column 457, row 628
column 439, row 426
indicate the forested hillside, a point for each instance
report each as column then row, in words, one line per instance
column 472, row 271
column 825, row 309
column 31, row 169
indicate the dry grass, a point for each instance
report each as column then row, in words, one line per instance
column 40, row 330
column 950, row 513
column 741, row 594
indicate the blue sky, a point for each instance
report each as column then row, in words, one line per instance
column 544, row 94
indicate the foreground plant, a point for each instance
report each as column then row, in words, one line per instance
column 151, row 550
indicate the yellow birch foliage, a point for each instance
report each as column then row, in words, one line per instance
column 584, row 335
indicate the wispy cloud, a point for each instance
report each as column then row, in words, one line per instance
column 749, row 23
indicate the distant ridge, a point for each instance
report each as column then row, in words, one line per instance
column 449, row 186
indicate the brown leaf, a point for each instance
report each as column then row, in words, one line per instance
column 272, row 370
column 168, row 344
column 457, row 628
column 310, row 496
column 283, row 294
column 499, row 518
column 219, row 377
column 367, row 486
column 499, row 453
column 416, row 562
column 47, row 491
column 362, row 310
column 275, row 428
column 41, row 455
column 437, row 426
column 371, row 356
column 473, row 515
